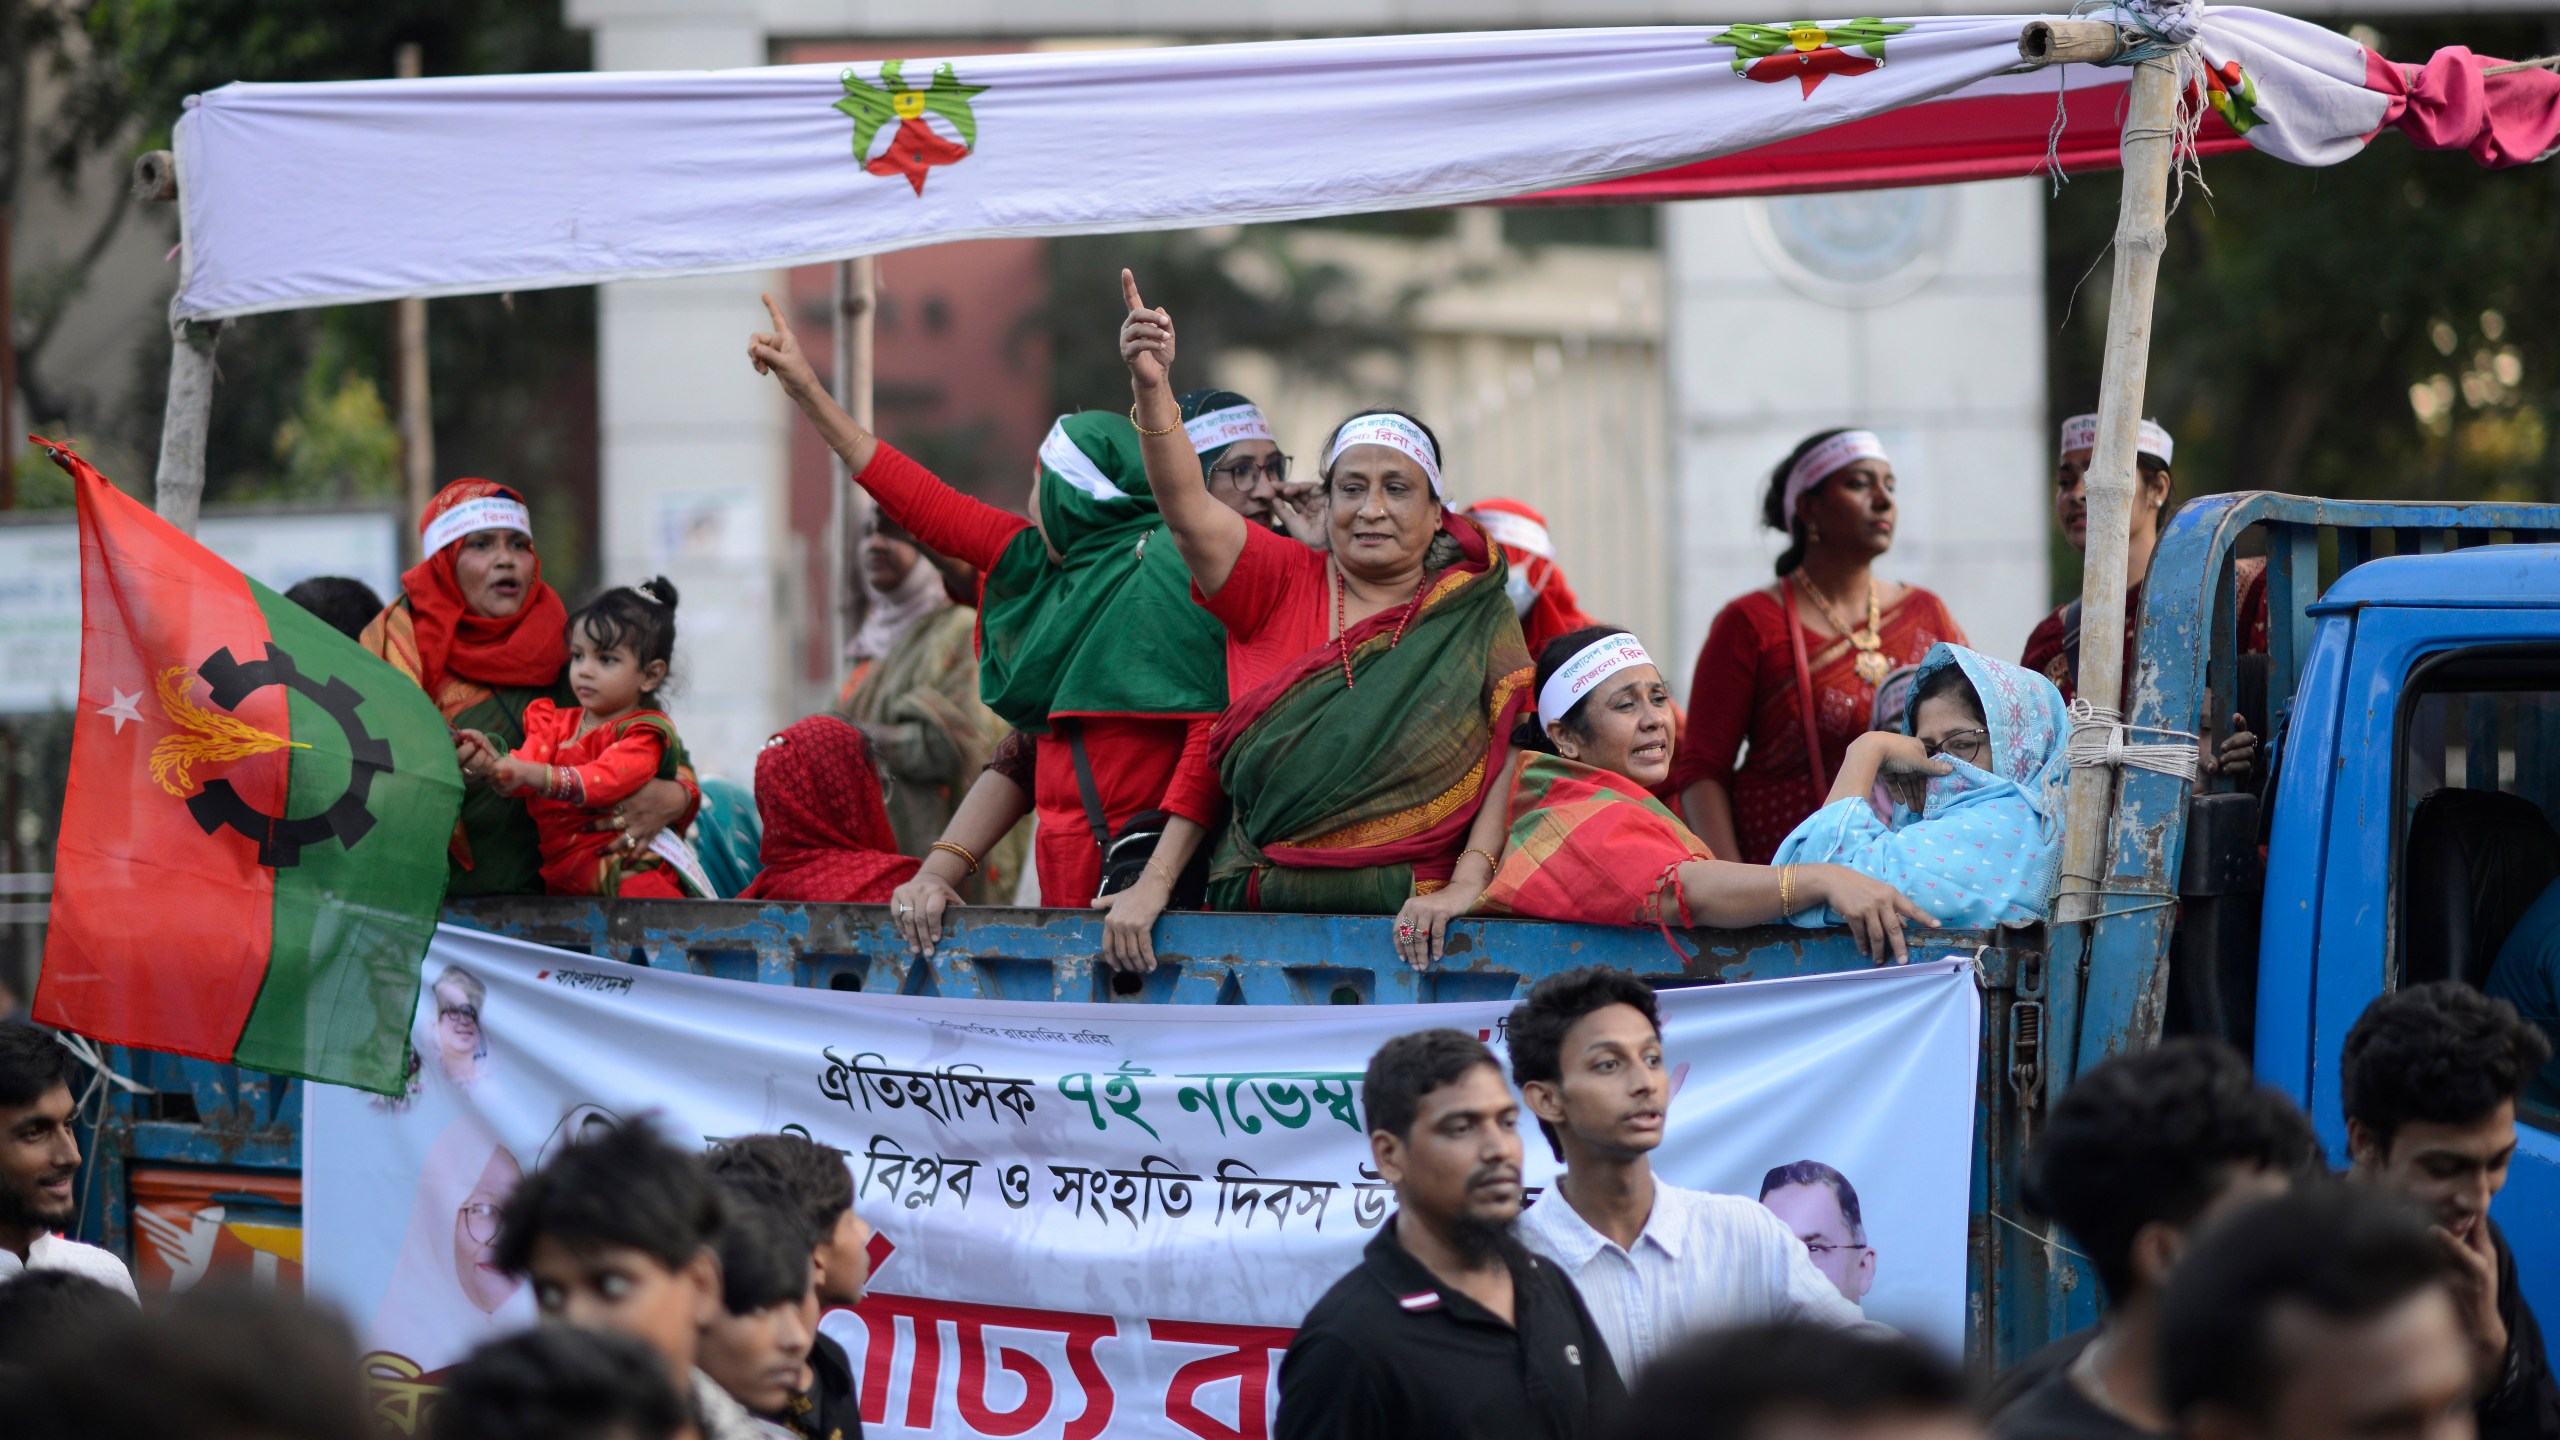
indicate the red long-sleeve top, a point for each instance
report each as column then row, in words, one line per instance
column 590, row 773
column 1138, row 764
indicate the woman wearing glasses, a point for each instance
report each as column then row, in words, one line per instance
column 1975, row 826
column 1588, row 841
column 1087, row 640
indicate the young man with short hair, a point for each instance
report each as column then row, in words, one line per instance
column 817, row 1176
column 617, row 1233
column 2137, row 1155
column 2431, row 1076
column 40, row 1162
column 1819, row 1204
column 1447, row 1326
column 1654, row 1262
column 1789, row 1380
column 557, row 1382
column 757, row 1347
column 2324, row 1313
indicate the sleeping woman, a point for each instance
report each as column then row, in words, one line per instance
column 1974, row 830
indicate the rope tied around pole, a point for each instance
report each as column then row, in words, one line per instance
column 2098, row 741
column 2160, row 31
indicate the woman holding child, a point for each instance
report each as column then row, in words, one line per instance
column 481, row 633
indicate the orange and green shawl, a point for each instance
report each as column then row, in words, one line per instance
column 1591, row 845
column 1350, row 800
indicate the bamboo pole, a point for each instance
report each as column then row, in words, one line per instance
column 2147, row 146
column 184, row 423
column 417, row 412
column 857, row 285
column 187, row 415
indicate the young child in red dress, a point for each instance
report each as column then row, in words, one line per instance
column 576, row 763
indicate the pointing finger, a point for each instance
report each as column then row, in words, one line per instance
column 1129, row 290
column 780, row 327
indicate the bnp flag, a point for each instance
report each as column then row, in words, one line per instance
column 253, row 839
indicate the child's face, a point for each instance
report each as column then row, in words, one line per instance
column 758, row 1357
column 608, row 679
column 629, row 1292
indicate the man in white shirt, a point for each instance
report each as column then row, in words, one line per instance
column 1654, row 1262
column 40, row 1161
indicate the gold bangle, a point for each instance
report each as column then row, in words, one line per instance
column 965, row 857
column 1786, row 891
column 1142, row 425
column 1490, row 864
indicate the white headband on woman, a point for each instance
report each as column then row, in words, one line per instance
column 1396, row 433
column 1825, row 460
column 487, row 512
column 1226, row 427
column 2080, row 432
column 1582, row 674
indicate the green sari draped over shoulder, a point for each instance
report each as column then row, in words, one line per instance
column 1353, row 799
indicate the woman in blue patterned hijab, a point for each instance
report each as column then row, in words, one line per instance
column 1983, row 764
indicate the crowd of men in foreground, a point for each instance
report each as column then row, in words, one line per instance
column 2249, row 1292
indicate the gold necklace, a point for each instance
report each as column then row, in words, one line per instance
column 1872, row 663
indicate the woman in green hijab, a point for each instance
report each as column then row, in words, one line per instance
column 1088, row 641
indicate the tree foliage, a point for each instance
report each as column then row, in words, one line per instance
column 2384, row 328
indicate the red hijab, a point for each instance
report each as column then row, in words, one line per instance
column 826, row 833
column 526, row 648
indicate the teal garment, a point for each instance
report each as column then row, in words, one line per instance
column 2527, row 976
column 1988, row 849
column 728, row 837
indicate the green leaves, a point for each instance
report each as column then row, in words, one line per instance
column 874, row 106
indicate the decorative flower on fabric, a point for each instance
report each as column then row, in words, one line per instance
column 2233, row 96
column 915, row 146
column 1807, row 52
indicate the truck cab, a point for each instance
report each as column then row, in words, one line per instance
column 2414, row 825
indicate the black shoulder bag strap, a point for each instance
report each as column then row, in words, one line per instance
column 1093, row 815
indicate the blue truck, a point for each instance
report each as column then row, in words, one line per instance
column 2401, row 823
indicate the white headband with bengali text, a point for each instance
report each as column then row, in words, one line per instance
column 1226, row 427
column 1396, row 433
column 1582, row 674
column 2080, row 432
column 1517, row 531
column 486, row 512
column 1826, row 460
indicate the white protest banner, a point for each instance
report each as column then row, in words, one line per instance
column 1094, row 1220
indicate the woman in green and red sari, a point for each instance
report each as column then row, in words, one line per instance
column 1588, row 841
column 478, row 630
column 1371, row 690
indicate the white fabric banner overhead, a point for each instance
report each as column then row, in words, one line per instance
column 297, row 195
column 1094, row 1220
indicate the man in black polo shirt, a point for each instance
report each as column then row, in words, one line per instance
column 1448, row 1326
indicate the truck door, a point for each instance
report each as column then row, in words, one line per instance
column 2443, row 829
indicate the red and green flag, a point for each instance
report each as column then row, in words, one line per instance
column 253, row 837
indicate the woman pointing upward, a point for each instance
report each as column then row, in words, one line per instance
column 1372, row 687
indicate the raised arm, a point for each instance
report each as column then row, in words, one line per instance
column 777, row 353
column 1209, row 534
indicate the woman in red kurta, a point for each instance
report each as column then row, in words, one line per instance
column 1827, row 618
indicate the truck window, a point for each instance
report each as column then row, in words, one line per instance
column 2478, row 834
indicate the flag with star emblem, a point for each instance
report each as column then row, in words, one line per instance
column 253, row 837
